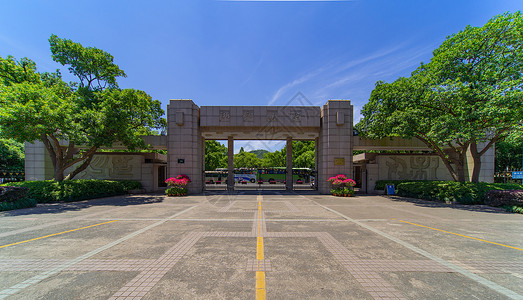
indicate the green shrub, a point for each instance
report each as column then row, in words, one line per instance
column 515, row 209
column 381, row 184
column 75, row 190
column 18, row 204
column 15, row 198
column 451, row 191
column 176, row 191
column 504, row 198
column 12, row 193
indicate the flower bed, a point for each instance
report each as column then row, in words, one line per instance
column 342, row 186
column 177, row 185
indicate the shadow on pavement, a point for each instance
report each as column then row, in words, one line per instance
column 427, row 203
column 60, row 207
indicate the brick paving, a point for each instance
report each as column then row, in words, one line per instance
column 254, row 265
column 366, row 272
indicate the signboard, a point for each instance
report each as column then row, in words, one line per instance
column 339, row 161
column 181, row 160
column 517, row 175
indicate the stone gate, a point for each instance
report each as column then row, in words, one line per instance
column 330, row 126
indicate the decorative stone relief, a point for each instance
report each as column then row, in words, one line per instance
column 272, row 115
column 225, row 115
column 112, row 167
column 122, row 167
column 296, row 116
column 248, row 115
column 412, row 168
column 98, row 168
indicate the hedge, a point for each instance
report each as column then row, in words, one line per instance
column 504, row 198
column 380, row 184
column 451, row 191
column 15, row 198
column 75, row 190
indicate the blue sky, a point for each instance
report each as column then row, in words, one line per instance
column 247, row 52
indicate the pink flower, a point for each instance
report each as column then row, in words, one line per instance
column 337, row 182
column 341, row 180
column 349, row 182
column 180, row 181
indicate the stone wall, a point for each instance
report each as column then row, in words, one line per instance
column 112, row 167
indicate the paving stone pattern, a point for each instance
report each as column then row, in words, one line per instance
column 366, row 272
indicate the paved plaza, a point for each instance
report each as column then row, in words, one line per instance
column 252, row 245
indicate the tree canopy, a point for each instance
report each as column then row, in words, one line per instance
column 246, row 160
column 92, row 112
column 466, row 98
column 509, row 153
column 303, row 156
column 11, row 155
column 215, row 155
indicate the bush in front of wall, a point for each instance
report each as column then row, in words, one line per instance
column 504, row 198
column 451, row 191
column 75, row 190
column 15, row 198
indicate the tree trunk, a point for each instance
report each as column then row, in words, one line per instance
column 63, row 160
column 457, row 171
column 476, row 158
column 460, row 171
column 58, row 173
column 87, row 160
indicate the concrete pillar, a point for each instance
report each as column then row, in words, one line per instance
column 316, row 160
column 230, row 163
column 184, row 143
column 203, row 162
column 336, row 142
column 288, row 162
column 364, row 179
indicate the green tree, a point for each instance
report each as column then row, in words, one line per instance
column 246, row 160
column 509, row 153
column 303, row 154
column 12, row 156
column 259, row 153
column 215, row 155
column 305, row 160
column 469, row 93
column 274, row 159
column 93, row 112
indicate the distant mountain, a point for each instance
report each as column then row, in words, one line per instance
column 259, row 153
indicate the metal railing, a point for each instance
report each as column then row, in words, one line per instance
column 11, row 176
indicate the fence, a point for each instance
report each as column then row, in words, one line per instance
column 506, row 176
column 11, row 176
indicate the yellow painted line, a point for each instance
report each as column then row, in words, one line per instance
column 462, row 235
column 54, row 234
column 259, row 248
column 261, row 292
